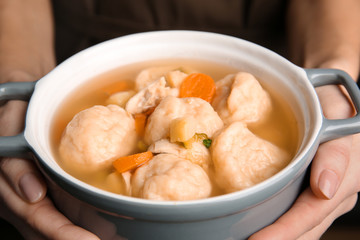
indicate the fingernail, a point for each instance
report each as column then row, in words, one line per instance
column 328, row 183
column 31, row 187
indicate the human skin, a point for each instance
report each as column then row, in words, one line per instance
column 27, row 53
column 322, row 33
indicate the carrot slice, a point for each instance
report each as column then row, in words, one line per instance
column 141, row 119
column 140, row 122
column 126, row 163
column 198, row 85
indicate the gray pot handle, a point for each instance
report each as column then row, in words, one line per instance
column 15, row 146
column 332, row 129
column 16, row 90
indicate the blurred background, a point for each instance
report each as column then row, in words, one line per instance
column 271, row 24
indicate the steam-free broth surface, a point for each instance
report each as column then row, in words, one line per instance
column 279, row 128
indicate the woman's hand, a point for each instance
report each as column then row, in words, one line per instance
column 26, row 47
column 324, row 34
column 23, row 200
column 334, row 182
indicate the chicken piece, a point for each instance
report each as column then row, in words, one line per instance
column 198, row 154
column 96, row 136
column 242, row 159
column 240, row 97
column 205, row 118
column 169, row 177
column 149, row 75
column 150, row 96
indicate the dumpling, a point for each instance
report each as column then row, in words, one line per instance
column 242, row 159
column 240, row 97
column 96, row 136
column 169, row 177
column 206, row 119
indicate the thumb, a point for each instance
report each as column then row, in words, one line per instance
column 24, row 178
column 329, row 166
column 332, row 158
column 22, row 175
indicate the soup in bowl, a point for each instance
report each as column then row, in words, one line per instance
column 165, row 130
column 224, row 200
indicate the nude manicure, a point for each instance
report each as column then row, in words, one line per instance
column 328, row 183
column 31, row 187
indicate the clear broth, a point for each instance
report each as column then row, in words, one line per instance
column 280, row 127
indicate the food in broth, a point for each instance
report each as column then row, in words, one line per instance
column 176, row 134
column 97, row 135
column 240, row 97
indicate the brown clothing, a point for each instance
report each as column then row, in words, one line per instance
column 82, row 23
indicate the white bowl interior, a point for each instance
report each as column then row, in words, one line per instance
column 279, row 74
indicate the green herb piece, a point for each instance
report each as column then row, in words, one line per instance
column 207, row 142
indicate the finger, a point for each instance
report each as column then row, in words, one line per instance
column 20, row 174
column 90, row 219
column 10, row 111
column 329, row 167
column 301, row 218
column 332, row 158
column 335, row 102
column 26, row 231
column 46, row 218
column 303, row 209
column 348, row 62
column 24, row 178
column 41, row 216
column 318, row 231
